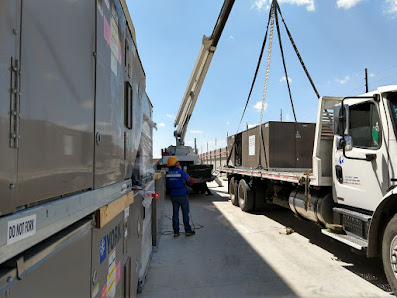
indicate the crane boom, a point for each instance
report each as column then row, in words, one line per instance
column 199, row 72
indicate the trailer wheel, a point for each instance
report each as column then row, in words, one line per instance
column 245, row 196
column 233, row 191
column 389, row 253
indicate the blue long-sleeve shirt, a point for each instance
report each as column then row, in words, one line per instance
column 176, row 181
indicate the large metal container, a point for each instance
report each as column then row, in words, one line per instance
column 234, row 147
column 120, row 93
column 58, row 267
column 280, row 147
column 73, row 99
column 110, row 265
column 286, row 144
column 252, row 147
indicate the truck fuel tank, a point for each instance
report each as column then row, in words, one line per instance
column 318, row 206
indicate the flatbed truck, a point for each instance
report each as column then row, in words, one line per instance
column 350, row 187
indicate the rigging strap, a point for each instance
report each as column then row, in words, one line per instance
column 256, row 71
column 285, row 68
column 297, row 53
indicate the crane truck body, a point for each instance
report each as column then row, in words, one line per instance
column 350, row 186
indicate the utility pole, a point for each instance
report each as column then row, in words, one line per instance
column 366, row 81
column 281, row 115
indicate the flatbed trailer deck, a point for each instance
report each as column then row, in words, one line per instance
column 286, row 175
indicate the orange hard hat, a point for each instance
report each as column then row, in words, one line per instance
column 172, row 160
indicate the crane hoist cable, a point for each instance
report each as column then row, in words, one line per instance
column 273, row 10
column 252, row 85
column 269, row 56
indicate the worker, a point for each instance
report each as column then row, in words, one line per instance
column 176, row 183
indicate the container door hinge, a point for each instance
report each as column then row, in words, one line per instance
column 14, row 103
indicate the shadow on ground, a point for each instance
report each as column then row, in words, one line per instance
column 369, row 269
column 216, row 262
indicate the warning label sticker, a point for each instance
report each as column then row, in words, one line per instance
column 115, row 41
column 95, row 291
column 251, row 145
column 21, row 228
column 111, row 278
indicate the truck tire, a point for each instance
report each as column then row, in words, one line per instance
column 233, row 191
column 389, row 253
column 245, row 196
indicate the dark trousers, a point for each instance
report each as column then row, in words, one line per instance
column 183, row 202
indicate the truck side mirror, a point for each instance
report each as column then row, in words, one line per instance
column 340, row 119
column 346, row 143
column 349, row 143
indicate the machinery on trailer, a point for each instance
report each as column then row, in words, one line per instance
column 349, row 187
column 76, row 143
column 188, row 156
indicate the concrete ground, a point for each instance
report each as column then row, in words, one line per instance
column 238, row 254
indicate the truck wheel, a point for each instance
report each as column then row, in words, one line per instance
column 245, row 196
column 389, row 253
column 233, row 191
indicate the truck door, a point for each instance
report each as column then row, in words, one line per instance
column 360, row 175
column 9, row 95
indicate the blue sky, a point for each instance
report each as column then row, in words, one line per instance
column 337, row 40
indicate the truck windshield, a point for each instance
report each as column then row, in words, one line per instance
column 392, row 97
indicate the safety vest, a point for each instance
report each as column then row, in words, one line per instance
column 176, row 181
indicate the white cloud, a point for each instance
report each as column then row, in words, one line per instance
column 372, row 75
column 170, row 116
column 231, row 37
column 284, row 79
column 162, row 124
column 258, row 106
column 391, row 7
column 288, row 118
column 265, row 4
column 343, row 81
column 189, row 143
column 228, row 123
column 196, row 131
column 347, row 4
column 260, row 4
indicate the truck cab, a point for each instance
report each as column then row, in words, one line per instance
column 364, row 159
column 364, row 142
